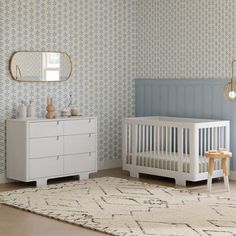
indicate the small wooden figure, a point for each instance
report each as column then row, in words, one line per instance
column 50, row 109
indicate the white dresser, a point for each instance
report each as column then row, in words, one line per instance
column 41, row 149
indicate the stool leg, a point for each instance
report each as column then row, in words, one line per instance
column 210, row 173
column 226, row 182
column 225, row 171
column 209, row 183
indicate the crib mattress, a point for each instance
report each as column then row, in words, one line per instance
column 169, row 162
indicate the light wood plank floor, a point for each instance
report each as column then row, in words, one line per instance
column 15, row 222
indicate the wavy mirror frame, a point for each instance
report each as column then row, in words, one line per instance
column 43, row 81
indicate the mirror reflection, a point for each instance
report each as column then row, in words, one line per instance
column 40, row 66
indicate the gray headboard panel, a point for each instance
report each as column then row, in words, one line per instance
column 199, row 98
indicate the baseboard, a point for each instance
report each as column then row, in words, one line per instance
column 3, row 179
column 109, row 164
column 232, row 175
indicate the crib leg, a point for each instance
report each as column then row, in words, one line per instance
column 134, row 174
column 180, row 182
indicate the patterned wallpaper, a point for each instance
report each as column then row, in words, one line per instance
column 185, row 38
column 35, row 25
column 99, row 35
column 106, row 68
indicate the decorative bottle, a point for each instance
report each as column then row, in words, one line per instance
column 21, row 113
column 31, row 109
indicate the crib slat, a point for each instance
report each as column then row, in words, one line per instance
column 139, row 143
column 158, row 146
column 162, row 147
column 205, row 145
column 184, row 150
column 225, row 138
column 201, row 168
column 170, row 147
column 174, row 140
column 208, row 139
column 126, row 143
column 158, row 140
column 166, row 142
column 215, row 138
column 170, row 140
column 166, row 148
column 218, row 137
column 175, row 151
column 200, row 147
column 129, row 142
column 143, row 147
column 162, row 138
column 200, row 142
column 154, row 146
column 180, row 150
column 205, row 137
column 187, row 150
column 212, row 143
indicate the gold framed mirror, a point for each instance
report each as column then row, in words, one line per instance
column 35, row 66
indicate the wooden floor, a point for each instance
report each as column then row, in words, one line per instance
column 15, row 222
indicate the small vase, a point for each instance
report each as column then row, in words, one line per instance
column 31, row 109
column 22, row 112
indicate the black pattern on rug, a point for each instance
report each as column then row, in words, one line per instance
column 129, row 208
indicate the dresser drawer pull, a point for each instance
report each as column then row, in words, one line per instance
column 90, row 154
column 58, row 157
column 89, row 120
column 58, row 122
column 90, row 135
column 58, row 137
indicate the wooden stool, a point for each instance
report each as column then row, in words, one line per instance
column 224, row 155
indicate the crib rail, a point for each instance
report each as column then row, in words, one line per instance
column 174, row 146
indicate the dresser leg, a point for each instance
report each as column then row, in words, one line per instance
column 41, row 182
column 83, row 176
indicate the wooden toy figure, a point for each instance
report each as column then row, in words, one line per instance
column 50, row 109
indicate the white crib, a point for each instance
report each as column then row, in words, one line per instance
column 172, row 147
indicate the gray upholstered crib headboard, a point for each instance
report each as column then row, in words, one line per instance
column 198, row 98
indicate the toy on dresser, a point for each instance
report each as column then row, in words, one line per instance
column 50, row 109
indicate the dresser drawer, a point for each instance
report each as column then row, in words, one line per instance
column 45, row 147
column 45, row 167
column 79, row 163
column 45, row 129
column 79, row 143
column 80, row 126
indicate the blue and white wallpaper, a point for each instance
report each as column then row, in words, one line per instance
column 99, row 36
column 185, row 39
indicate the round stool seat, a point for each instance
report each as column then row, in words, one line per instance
column 224, row 156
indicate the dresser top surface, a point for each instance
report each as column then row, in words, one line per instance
column 51, row 120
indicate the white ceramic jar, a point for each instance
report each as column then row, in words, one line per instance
column 22, row 111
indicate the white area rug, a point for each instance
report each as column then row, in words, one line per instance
column 121, row 207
